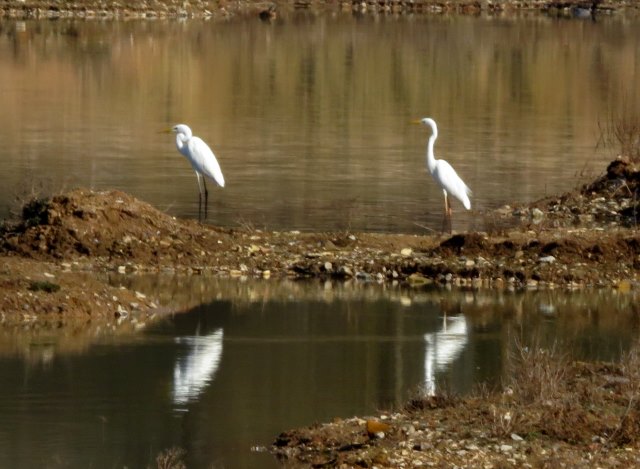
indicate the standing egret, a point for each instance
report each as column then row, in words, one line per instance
column 445, row 175
column 202, row 160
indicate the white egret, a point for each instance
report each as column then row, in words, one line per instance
column 445, row 175
column 201, row 158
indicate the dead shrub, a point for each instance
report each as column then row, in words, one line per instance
column 171, row 459
column 623, row 131
column 538, row 374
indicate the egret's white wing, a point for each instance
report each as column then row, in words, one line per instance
column 204, row 161
column 452, row 183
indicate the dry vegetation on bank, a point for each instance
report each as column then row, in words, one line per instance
column 552, row 413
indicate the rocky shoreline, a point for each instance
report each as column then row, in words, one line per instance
column 584, row 238
column 269, row 10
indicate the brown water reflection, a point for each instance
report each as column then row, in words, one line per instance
column 248, row 359
column 308, row 117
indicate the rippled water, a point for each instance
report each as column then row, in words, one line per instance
column 257, row 358
column 309, row 116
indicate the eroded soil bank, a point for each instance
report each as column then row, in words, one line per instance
column 55, row 258
column 552, row 414
column 584, row 238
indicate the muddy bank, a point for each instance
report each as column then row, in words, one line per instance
column 585, row 238
column 552, row 413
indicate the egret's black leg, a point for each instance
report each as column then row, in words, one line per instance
column 200, row 199
column 446, row 222
column 206, row 197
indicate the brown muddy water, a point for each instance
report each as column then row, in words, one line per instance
column 309, row 116
column 251, row 359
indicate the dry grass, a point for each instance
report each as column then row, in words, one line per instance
column 171, row 459
column 538, row 375
column 623, row 131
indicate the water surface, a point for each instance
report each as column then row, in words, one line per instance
column 252, row 359
column 309, row 116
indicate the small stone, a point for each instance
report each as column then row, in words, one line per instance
column 122, row 269
column 623, row 286
column 360, row 275
column 140, row 296
column 121, row 312
column 547, row 259
column 537, row 215
column 416, row 279
column 516, row 437
column 506, row 448
column 406, row 252
column 377, row 429
column 328, row 266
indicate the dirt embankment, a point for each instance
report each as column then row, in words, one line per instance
column 552, row 414
column 587, row 237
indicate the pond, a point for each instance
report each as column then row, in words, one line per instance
column 248, row 360
column 309, row 116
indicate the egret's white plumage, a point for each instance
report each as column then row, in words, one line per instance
column 201, row 158
column 198, row 153
column 444, row 174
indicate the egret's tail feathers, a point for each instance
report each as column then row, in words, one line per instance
column 466, row 202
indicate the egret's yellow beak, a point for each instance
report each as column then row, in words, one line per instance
column 416, row 121
column 165, row 131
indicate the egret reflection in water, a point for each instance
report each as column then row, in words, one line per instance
column 443, row 348
column 198, row 367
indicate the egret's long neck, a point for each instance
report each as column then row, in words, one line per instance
column 181, row 140
column 431, row 160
